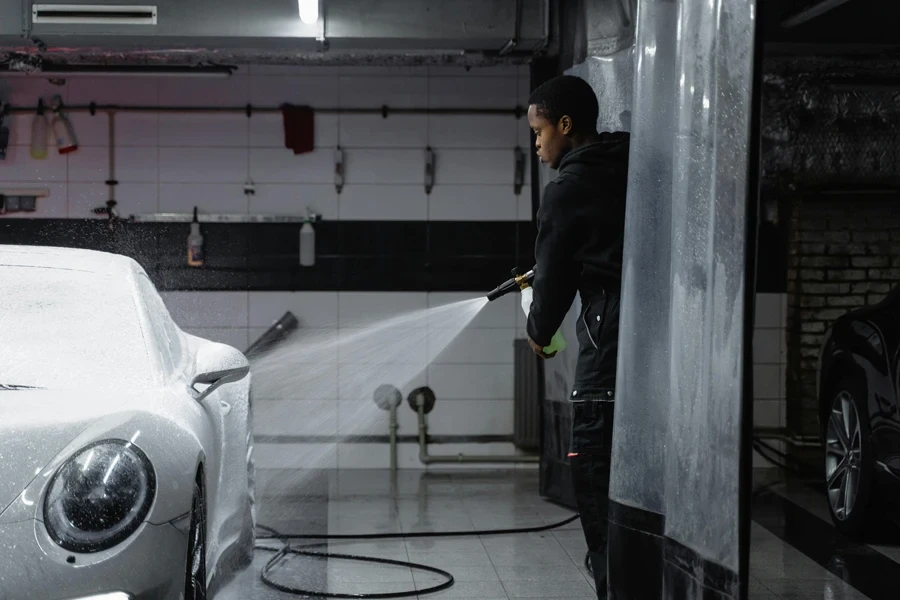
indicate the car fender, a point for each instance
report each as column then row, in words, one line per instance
column 174, row 443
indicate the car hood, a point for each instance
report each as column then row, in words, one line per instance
column 37, row 425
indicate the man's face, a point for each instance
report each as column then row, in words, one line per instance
column 551, row 142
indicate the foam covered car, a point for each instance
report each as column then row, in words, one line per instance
column 126, row 465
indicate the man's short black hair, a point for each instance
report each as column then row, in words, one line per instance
column 567, row 95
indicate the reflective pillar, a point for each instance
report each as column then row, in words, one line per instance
column 675, row 527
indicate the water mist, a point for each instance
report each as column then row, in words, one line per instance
column 342, row 368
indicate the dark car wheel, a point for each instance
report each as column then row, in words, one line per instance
column 195, row 572
column 849, row 460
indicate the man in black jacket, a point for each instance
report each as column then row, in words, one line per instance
column 581, row 223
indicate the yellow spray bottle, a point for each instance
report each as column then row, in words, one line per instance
column 523, row 284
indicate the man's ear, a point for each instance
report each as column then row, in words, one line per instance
column 565, row 125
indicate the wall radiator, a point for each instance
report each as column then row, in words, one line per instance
column 527, row 398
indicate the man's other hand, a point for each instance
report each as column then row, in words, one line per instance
column 539, row 350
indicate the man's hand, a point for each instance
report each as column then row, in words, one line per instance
column 539, row 350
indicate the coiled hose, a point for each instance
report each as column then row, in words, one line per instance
column 287, row 549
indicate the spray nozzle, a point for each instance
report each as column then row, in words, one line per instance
column 515, row 283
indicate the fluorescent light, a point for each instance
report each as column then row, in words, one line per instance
column 309, row 11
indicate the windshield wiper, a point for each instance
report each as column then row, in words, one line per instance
column 10, row 387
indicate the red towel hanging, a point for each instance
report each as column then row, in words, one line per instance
column 299, row 124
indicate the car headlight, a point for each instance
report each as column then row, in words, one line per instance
column 99, row 497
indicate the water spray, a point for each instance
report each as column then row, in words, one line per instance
column 292, row 365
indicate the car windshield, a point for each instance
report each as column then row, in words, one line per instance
column 66, row 329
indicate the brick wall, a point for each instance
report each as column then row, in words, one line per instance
column 844, row 253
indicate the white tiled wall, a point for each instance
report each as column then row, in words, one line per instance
column 472, row 377
column 171, row 162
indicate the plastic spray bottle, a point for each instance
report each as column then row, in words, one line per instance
column 195, row 243
column 62, row 129
column 557, row 342
column 308, row 242
column 39, row 133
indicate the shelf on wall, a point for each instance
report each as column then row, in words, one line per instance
column 215, row 218
column 34, row 192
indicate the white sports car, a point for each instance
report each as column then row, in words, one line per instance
column 125, row 443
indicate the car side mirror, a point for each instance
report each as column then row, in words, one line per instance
column 214, row 366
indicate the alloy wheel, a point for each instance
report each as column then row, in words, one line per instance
column 843, row 455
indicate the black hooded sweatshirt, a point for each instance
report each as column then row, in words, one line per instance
column 581, row 226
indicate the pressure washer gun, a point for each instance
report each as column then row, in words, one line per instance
column 516, row 282
column 523, row 283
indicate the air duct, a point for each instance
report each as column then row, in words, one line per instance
column 273, row 31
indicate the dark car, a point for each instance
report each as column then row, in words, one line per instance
column 858, row 387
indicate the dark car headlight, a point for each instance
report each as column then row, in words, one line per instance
column 99, row 497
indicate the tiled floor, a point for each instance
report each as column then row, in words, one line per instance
column 545, row 565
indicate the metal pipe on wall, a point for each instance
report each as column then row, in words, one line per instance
column 427, row 459
column 393, row 442
column 249, row 109
column 111, row 177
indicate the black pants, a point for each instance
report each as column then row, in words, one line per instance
column 592, row 423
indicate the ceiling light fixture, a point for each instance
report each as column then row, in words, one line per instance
column 75, row 70
column 309, row 11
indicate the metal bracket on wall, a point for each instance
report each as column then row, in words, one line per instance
column 519, row 179
column 339, row 169
column 322, row 43
column 4, row 131
column 429, row 170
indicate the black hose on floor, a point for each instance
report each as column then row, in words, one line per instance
column 288, row 549
column 767, row 451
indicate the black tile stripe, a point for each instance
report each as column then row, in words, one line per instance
column 685, row 569
column 440, row 256
column 637, row 518
column 863, row 568
column 644, row 563
column 350, row 255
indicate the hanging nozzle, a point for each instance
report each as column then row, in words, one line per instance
column 514, row 284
